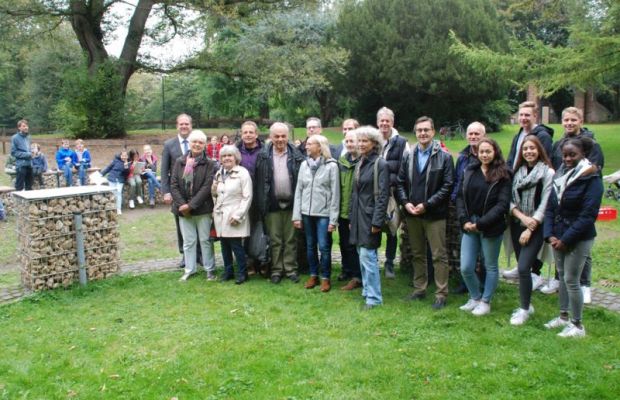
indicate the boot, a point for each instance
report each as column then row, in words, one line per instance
column 325, row 285
column 311, row 282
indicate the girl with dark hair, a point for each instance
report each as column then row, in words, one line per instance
column 569, row 228
column 483, row 198
column 134, row 179
column 531, row 188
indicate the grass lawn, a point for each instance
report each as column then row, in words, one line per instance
column 153, row 337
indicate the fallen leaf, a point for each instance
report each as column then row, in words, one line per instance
column 114, row 376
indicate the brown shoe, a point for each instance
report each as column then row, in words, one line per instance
column 325, row 285
column 311, row 282
column 353, row 284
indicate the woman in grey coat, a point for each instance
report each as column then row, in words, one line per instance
column 316, row 207
column 367, row 210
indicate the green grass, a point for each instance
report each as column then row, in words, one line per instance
column 153, row 337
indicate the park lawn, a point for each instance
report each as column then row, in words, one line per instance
column 153, row 337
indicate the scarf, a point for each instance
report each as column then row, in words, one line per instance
column 568, row 177
column 314, row 164
column 524, row 186
column 188, row 171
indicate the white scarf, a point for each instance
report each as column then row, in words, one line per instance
column 568, row 177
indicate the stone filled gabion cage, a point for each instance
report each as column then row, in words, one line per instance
column 46, row 234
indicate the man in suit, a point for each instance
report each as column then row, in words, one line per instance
column 174, row 148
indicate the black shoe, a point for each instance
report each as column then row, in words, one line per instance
column 461, row 289
column 343, row 277
column 275, row 279
column 226, row 277
column 294, row 278
column 439, row 304
column 241, row 280
column 416, row 297
column 182, row 262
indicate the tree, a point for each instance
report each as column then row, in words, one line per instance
column 590, row 59
column 400, row 59
column 92, row 23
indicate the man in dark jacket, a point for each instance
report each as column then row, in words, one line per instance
column 528, row 115
column 275, row 179
column 20, row 150
column 424, row 185
column 395, row 146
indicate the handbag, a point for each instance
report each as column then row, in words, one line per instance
column 259, row 245
column 392, row 218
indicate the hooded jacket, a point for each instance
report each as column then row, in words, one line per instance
column 542, row 132
column 317, row 193
column 116, row 170
column 595, row 156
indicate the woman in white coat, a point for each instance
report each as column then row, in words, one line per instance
column 232, row 195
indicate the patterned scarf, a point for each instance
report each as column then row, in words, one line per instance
column 524, row 186
column 188, row 171
column 567, row 177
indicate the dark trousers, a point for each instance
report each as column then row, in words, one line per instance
column 350, row 258
column 526, row 259
column 230, row 246
column 390, row 249
column 23, row 178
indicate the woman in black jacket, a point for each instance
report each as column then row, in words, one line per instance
column 190, row 186
column 569, row 228
column 367, row 210
column 482, row 202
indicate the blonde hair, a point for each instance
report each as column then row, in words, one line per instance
column 529, row 104
column 573, row 110
column 324, row 143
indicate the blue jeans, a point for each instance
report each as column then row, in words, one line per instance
column 371, row 278
column 471, row 245
column 153, row 184
column 118, row 193
column 315, row 229
column 229, row 246
column 67, row 172
column 82, row 169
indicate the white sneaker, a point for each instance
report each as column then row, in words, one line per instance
column 185, row 277
column 537, row 281
column 470, row 305
column 572, row 331
column 587, row 295
column 550, row 287
column 132, row 204
column 140, row 201
column 520, row 315
column 557, row 322
column 481, row 309
column 511, row 273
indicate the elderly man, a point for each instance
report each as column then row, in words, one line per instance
column 20, row 150
column 423, row 189
column 277, row 167
column 174, row 148
column 395, row 146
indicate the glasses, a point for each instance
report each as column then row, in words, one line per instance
column 312, row 127
column 423, row 130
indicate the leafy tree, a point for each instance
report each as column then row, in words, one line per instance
column 400, row 58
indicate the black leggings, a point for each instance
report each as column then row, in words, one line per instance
column 526, row 257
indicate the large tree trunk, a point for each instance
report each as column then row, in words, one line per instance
column 324, row 100
column 86, row 23
column 133, row 40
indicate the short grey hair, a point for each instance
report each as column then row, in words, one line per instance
column 314, row 119
column 476, row 125
column 279, row 125
column 385, row 111
column 372, row 134
column 230, row 149
column 197, row 135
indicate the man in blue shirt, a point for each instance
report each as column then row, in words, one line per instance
column 20, row 150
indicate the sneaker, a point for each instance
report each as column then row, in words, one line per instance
column 470, row 305
column 557, row 322
column 587, row 295
column 511, row 273
column 140, row 201
column 550, row 287
column 118, row 211
column 185, row 277
column 152, row 203
column 571, row 330
column 211, row 276
column 537, row 281
column 131, row 204
column 481, row 309
column 520, row 315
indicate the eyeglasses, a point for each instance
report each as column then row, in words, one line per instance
column 423, row 130
column 312, row 127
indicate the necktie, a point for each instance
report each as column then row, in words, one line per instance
column 185, row 146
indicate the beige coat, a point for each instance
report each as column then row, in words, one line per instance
column 232, row 199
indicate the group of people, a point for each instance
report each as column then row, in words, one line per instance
column 543, row 194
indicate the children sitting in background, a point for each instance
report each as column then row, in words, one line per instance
column 117, row 174
column 66, row 159
column 213, row 148
column 83, row 161
column 136, row 168
column 39, row 164
column 150, row 172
